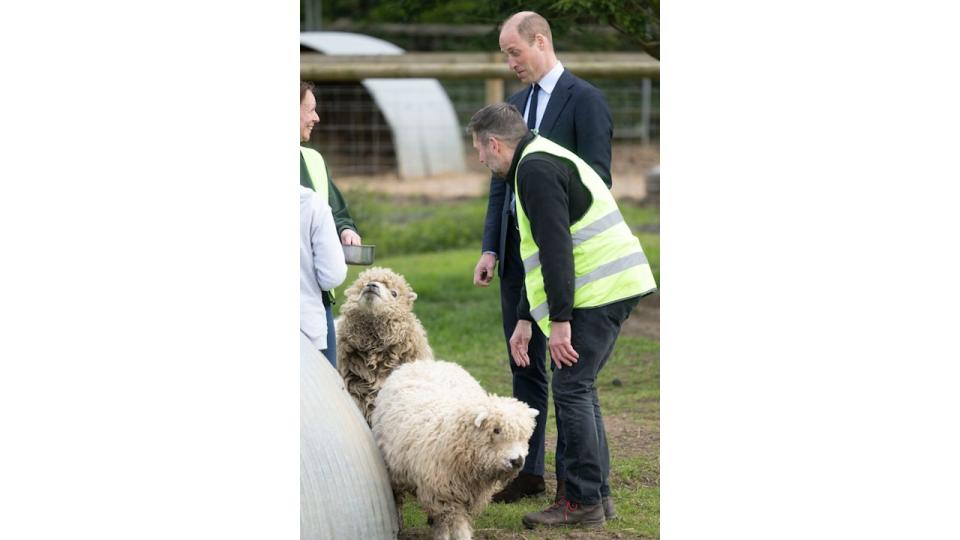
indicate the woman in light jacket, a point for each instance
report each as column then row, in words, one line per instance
column 321, row 267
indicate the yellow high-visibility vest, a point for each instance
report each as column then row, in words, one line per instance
column 609, row 263
column 318, row 172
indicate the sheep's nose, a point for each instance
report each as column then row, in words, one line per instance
column 517, row 462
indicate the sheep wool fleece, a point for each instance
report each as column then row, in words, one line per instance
column 449, row 441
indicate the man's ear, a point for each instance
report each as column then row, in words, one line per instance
column 494, row 145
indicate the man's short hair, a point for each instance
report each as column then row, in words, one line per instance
column 500, row 120
column 532, row 24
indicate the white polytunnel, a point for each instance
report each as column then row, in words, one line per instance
column 426, row 134
column 344, row 488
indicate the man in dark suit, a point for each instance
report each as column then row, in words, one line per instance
column 574, row 114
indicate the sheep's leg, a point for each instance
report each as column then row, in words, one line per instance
column 440, row 529
column 398, row 502
column 440, row 518
column 451, row 524
column 457, row 525
column 480, row 501
column 450, row 519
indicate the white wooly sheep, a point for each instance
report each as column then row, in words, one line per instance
column 447, row 440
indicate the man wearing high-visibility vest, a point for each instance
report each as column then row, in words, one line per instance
column 315, row 175
column 585, row 271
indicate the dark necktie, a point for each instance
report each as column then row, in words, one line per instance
column 531, row 123
column 532, row 114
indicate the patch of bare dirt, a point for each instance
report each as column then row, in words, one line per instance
column 644, row 321
column 629, row 166
column 627, row 438
column 445, row 187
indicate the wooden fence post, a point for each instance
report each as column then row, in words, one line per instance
column 494, row 93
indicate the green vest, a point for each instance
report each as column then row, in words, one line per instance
column 318, row 171
column 609, row 264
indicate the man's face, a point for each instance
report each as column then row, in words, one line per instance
column 308, row 115
column 489, row 154
column 528, row 61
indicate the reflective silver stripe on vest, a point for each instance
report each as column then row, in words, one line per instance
column 602, row 271
column 612, row 267
column 540, row 312
column 531, row 262
column 599, row 226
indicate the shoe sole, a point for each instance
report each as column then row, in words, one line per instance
column 525, row 495
column 582, row 524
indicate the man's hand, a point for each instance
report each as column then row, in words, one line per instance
column 349, row 237
column 519, row 342
column 561, row 349
column 483, row 273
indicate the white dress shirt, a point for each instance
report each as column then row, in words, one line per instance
column 322, row 266
column 547, row 83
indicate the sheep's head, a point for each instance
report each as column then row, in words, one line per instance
column 380, row 291
column 502, row 429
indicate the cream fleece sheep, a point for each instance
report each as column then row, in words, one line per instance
column 377, row 332
column 444, row 438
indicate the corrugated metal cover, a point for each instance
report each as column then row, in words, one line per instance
column 426, row 133
column 344, row 488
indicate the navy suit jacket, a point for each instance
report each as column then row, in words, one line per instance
column 577, row 118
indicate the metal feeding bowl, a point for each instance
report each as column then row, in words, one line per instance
column 358, row 254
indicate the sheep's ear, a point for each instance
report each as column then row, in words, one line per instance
column 533, row 413
column 412, row 296
column 480, row 418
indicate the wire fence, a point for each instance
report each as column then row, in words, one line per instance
column 352, row 134
column 356, row 139
column 634, row 104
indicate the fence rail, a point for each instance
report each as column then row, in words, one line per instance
column 321, row 67
column 356, row 139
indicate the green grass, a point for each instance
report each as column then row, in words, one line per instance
column 409, row 225
column 414, row 225
column 639, row 215
column 463, row 326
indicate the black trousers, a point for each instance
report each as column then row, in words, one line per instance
column 586, row 456
column 529, row 383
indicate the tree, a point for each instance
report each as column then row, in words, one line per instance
column 638, row 21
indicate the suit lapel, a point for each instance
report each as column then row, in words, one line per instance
column 558, row 100
column 520, row 101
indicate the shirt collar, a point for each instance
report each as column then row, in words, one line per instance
column 549, row 81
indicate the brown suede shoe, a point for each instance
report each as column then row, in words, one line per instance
column 609, row 511
column 524, row 485
column 565, row 514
